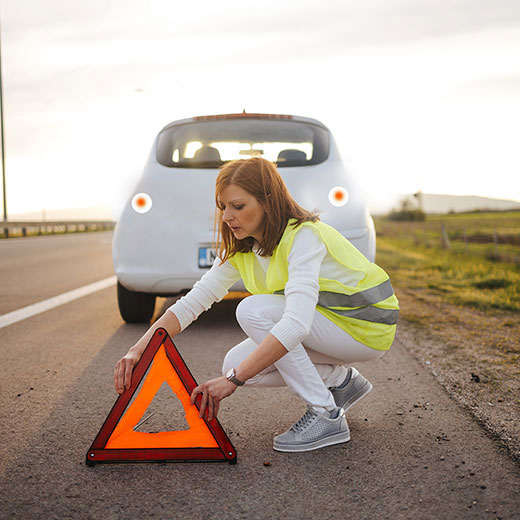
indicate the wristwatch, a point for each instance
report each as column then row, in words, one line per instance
column 231, row 376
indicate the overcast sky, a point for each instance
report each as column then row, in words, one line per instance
column 420, row 95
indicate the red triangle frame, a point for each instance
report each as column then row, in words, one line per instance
column 99, row 453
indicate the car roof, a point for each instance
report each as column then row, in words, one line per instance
column 246, row 115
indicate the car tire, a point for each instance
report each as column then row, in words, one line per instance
column 135, row 307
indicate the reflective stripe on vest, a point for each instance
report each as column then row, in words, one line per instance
column 361, row 299
column 364, row 300
column 373, row 314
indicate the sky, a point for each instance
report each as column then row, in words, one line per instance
column 419, row 94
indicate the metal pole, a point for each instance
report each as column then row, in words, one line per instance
column 2, row 130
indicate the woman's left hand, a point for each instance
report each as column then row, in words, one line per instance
column 213, row 392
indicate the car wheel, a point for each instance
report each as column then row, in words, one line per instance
column 135, row 307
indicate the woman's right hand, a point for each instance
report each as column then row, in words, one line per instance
column 123, row 371
column 125, row 366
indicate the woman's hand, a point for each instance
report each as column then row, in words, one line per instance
column 123, row 371
column 213, row 392
column 125, row 366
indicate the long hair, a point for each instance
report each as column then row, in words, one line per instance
column 260, row 178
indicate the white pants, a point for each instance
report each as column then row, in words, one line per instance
column 312, row 366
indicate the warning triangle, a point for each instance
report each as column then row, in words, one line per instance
column 117, row 440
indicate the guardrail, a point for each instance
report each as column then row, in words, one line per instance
column 14, row 228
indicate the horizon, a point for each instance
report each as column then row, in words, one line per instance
column 100, row 212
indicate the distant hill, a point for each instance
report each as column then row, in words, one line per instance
column 434, row 203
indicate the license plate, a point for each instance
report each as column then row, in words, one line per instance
column 207, row 256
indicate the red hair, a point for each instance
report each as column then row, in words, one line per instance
column 260, row 178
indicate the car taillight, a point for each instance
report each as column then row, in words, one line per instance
column 338, row 196
column 142, row 202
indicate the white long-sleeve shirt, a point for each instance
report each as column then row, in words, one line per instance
column 308, row 260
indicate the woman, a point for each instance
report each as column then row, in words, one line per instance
column 317, row 305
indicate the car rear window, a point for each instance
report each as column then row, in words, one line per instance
column 209, row 144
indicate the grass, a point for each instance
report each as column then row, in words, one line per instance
column 459, row 307
column 484, row 275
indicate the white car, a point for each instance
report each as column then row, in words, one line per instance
column 162, row 242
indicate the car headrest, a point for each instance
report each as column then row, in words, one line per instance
column 291, row 156
column 206, row 154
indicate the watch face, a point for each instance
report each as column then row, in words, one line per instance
column 230, row 373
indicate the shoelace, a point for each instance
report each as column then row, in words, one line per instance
column 304, row 421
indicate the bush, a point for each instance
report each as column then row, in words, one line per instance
column 408, row 211
column 407, row 214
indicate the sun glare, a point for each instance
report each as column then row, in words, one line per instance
column 191, row 148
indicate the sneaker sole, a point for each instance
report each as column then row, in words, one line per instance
column 357, row 397
column 338, row 438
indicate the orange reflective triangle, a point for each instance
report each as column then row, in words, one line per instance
column 118, row 442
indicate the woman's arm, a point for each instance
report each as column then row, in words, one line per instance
column 213, row 391
column 125, row 366
column 301, row 296
column 212, row 287
column 302, row 288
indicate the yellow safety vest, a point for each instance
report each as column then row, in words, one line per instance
column 368, row 311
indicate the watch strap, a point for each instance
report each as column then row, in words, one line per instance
column 232, row 377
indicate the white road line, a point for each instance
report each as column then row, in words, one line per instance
column 56, row 301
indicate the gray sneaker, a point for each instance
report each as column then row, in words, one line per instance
column 348, row 394
column 314, row 430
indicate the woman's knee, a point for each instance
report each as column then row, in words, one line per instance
column 237, row 354
column 246, row 309
column 260, row 308
column 227, row 363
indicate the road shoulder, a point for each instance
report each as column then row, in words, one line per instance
column 474, row 357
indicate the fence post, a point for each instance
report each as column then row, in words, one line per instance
column 445, row 238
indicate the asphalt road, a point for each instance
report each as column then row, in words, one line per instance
column 414, row 452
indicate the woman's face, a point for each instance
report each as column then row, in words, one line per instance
column 242, row 212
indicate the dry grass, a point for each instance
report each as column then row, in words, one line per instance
column 462, row 309
column 481, row 275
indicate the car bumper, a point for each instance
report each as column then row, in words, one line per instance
column 164, row 283
column 161, row 284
